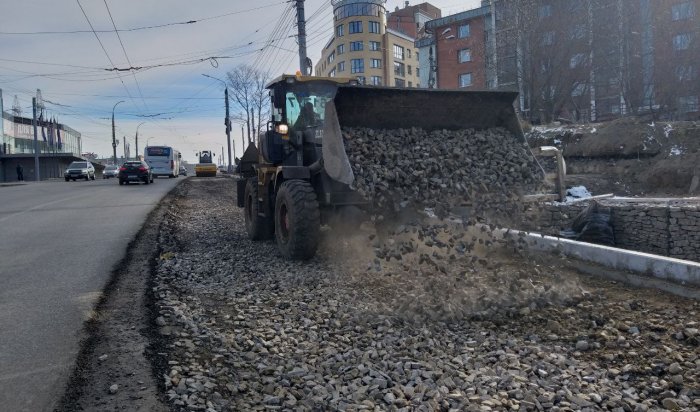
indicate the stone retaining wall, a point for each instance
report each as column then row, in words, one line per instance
column 668, row 228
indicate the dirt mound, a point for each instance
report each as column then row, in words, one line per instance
column 629, row 156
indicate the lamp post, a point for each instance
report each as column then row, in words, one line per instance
column 227, row 121
column 114, row 138
column 137, row 139
column 149, row 139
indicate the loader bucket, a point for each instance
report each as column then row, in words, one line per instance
column 428, row 109
column 394, row 108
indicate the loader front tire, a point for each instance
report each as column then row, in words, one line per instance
column 258, row 227
column 297, row 220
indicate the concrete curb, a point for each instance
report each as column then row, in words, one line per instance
column 683, row 272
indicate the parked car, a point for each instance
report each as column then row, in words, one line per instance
column 110, row 171
column 135, row 171
column 183, row 171
column 79, row 170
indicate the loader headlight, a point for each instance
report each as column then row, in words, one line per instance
column 282, row 128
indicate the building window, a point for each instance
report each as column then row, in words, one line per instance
column 332, row 73
column 418, row 71
column 356, row 46
column 399, row 69
column 408, row 53
column 361, row 79
column 341, row 49
column 417, row 55
column 578, row 90
column 685, row 73
column 355, row 27
column 376, row 80
column 683, row 11
column 688, row 104
column 374, row 27
column 681, row 41
column 465, row 55
column 545, row 10
column 578, row 31
column 399, row 83
column 331, row 57
column 357, row 66
column 577, row 60
column 409, row 69
column 341, row 67
column 464, row 31
column 375, row 63
column 548, row 38
column 465, row 80
column 339, row 31
column 398, row 52
column 410, row 84
column 375, row 45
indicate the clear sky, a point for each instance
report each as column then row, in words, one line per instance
column 179, row 106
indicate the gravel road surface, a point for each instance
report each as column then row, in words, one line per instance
column 243, row 329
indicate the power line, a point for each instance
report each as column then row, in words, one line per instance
column 138, row 86
column 156, row 26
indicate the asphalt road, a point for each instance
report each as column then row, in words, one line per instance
column 58, row 244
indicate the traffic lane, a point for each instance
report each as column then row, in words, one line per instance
column 59, row 243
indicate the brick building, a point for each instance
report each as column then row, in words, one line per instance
column 582, row 60
column 459, row 49
column 411, row 19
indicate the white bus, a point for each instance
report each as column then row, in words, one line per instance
column 163, row 160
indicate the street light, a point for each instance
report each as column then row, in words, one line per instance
column 227, row 121
column 149, row 139
column 137, row 139
column 114, row 138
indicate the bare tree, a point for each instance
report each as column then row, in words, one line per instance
column 249, row 93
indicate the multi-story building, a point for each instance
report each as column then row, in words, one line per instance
column 582, row 60
column 458, row 50
column 57, row 146
column 363, row 47
column 411, row 19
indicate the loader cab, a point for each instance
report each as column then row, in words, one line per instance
column 298, row 113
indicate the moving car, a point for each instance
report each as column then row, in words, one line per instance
column 183, row 171
column 79, row 170
column 110, row 171
column 135, row 171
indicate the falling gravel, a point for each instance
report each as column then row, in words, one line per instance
column 245, row 329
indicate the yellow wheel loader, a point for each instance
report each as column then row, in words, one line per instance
column 299, row 175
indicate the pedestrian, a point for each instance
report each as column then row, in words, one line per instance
column 20, row 173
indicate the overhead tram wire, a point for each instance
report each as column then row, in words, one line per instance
column 278, row 28
column 105, row 51
column 156, row 26
column 138, row 86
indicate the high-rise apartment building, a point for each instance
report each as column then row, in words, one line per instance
column 363, row 47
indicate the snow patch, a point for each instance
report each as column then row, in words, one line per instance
column 577, row 192
column 676, row 150
column 667, row 130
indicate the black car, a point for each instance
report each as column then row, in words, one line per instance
column 135, row 172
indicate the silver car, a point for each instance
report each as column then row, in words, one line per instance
column 110, row 171
column 79, row 170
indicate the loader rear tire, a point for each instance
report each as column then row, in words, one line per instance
column 297, row 220
column 258, row 227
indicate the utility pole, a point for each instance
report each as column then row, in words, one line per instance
column 227, row 122
column 137, row 139
column 126, row 159
column 242, row 141
column 3, row 148
column 114, row 138
column 301, row 26
column 36, row 141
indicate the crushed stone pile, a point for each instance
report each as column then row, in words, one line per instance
column 395, row 169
